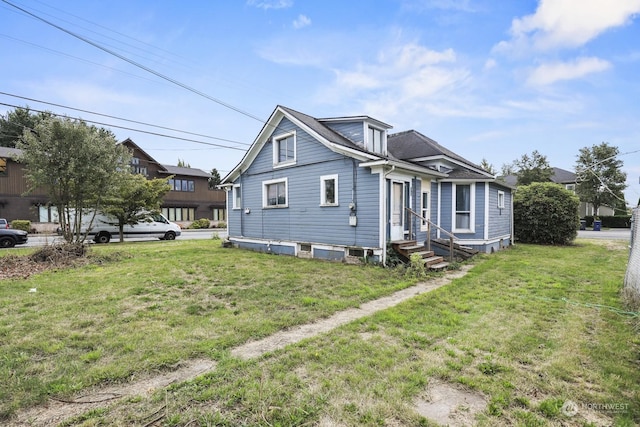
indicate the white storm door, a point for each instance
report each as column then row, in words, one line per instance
column 397, row 211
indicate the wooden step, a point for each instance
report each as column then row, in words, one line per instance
column 411, row 247
column 432, row 260
column 439, row 266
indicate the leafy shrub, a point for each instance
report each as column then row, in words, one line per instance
column 21, row 224
column 221, row 224
column 545, row 213
column 200, row 223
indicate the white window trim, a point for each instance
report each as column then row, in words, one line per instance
column 423, row 226
column 383, row 139
column 265, row 196
column 276, row 145
column 500, row 199
column 235, row 198
column 323, row 179
column 472, row 206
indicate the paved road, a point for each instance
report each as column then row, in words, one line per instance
column 611, row 234
column 41, row 240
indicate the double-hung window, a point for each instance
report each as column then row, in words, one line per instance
column 284, row 149
column 424, row 209
column 500, row 199
column 463, row 207
column 329, row 190
column 237, row 196
column 275, row 193
column 376, row 140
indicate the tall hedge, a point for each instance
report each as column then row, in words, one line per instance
column 545, row 213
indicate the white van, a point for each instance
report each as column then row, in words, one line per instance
column 104, row 228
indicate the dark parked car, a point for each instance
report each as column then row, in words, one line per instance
column 10, row 237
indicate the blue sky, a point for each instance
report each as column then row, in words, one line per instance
column 488, row 79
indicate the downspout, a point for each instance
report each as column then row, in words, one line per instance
column 513, row 240
column 241, row 205
column 354, row 198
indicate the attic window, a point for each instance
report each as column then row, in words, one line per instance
column 375, row 141
column 284, row 149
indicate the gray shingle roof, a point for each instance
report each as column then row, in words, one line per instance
column 412, row 144
column 562, row 176
column 322, row 130
column 176, row 170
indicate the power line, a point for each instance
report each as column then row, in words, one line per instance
column 137, row 64
column 110, row 30
column 123, row 119
column 132, row 129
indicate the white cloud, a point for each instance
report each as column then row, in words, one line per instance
column 490, row 64
column 403, row 81
column 547, row 74
column 568, row 23
column 301, row 22
column 270, row 4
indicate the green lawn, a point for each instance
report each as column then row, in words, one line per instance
column 528, row 328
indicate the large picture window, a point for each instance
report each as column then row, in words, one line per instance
column 275, row 194
column 179, row 214
column 284, row 149
column 463, row 208
column 329, row 190
column 3, row 166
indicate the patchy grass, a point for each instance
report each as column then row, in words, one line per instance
column 532, row 329
column 158, row 304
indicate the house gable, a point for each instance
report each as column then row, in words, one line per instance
column 277, row 127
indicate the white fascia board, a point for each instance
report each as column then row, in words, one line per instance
column 371, row 120
column 256, row 146
column 350, row 152
column 457, row 162
column 378, row 166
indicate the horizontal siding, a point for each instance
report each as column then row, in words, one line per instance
column 304, row 220
column 479, row 212
column 499, row 219
column 445, row 206
column 352, row 131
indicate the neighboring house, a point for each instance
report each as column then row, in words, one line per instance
column 189, row 199
column 568, row 180
column 342, row 187
column 15, row 203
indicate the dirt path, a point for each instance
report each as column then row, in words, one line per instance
column 57, row 411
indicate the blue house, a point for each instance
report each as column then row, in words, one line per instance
column 344, row 187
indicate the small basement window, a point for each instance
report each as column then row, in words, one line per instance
column 305, row 247
column 356, row 252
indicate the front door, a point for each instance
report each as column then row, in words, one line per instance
column 397, row 211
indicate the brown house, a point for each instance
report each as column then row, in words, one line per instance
column 189, row 199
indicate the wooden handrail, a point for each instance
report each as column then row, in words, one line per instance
column 429, row 224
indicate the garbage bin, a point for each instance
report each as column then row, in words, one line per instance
column 583, row 224
column 596, row 225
